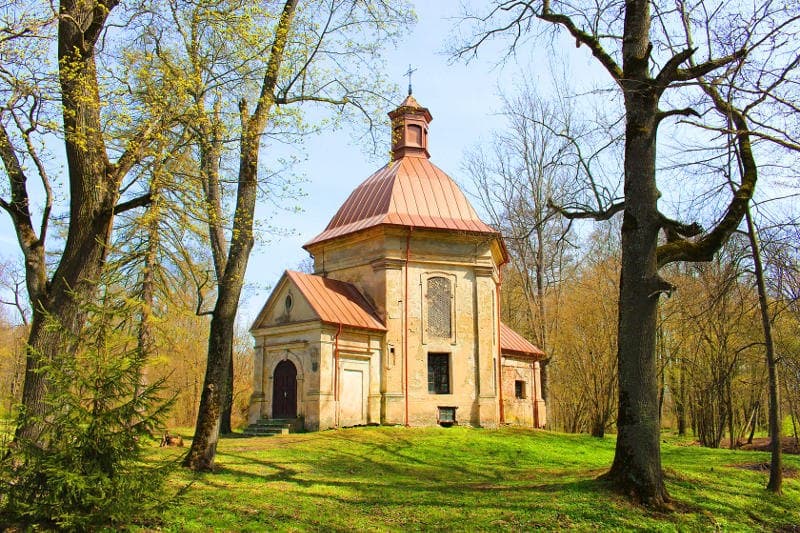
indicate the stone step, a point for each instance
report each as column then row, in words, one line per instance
column 266, row 431
column 272, row 426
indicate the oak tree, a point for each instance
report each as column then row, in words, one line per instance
column 635, row 43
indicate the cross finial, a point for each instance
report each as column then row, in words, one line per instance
column 408, row 73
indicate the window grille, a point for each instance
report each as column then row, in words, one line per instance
column 439, row 307
column 446, row 416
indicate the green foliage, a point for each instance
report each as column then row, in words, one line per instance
column 87, row 471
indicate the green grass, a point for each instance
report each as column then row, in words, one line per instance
column 390, row 479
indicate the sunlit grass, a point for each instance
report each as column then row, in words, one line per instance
column 387, row 479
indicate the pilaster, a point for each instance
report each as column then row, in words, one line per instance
column 486, row 338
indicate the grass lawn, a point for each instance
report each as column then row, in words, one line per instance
column 462, row 479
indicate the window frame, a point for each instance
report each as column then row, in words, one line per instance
column 439, row 362
column 520, row 389
column 427, row 338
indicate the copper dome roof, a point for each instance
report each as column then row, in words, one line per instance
column 410, row 191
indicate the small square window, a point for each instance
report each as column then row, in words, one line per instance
column 439, row 373
column 519, row 389
column 447, row 416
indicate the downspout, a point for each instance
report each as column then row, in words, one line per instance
column 534, row 396
column 405, row 321
column 336, row 375
column 499, row 347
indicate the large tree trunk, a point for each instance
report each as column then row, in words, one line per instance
column 225, row 426
column 637, row 462
column 60, row 313
column 206, row 435
column 220, row 343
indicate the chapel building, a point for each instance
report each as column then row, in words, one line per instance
column 400, row 322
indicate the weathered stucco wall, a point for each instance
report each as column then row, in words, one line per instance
column 312, row 348
column 391, row 266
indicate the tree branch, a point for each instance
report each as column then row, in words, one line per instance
column 696, row 71
column 581, row 37
column 604, row 214
column 139, row 201
column 133, row 151
column 685, row 112
column 705, row 247
column 200, row 299
column 676, row 230
column 19, row 206
column 283, row 100
column 670, row 68
column 99, row 15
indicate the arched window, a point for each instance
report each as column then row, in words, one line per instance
column 414, row 135
column 439, row 296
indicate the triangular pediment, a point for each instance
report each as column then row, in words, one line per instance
column 302, row 297
column 285, row 305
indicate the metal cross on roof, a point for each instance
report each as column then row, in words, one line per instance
column 408, row 73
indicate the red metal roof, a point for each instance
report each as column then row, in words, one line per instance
column 411, row 191
column 514, row 343
column 336, row 302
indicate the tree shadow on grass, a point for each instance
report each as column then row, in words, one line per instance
column 410, row 502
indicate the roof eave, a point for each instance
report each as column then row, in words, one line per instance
column 528, row 355
column 381, row 329
column 503, row 250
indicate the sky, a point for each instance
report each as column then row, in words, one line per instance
column 464, row 99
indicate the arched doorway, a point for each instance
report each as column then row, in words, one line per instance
column 284, row 390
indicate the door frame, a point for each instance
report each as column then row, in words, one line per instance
column 284, row 362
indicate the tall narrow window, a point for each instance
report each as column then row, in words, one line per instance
column 439, row 373
column 439, row 307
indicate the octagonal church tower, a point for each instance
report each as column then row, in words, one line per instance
column 400, row 322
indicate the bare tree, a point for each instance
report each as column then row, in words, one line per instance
column 586, row 339
column 757, row 98
column 528, row 163
column 635, row 45
column 12, row 282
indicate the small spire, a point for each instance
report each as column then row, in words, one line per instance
column 408, row 73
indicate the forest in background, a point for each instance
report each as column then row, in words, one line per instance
column 711, row 370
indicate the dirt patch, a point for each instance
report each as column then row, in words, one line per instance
column 761, row 444
column 788, row 445
column 788, row 471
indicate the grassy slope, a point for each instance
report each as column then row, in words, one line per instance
column 464, row 479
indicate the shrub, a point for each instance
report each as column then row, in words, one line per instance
column 86, row 469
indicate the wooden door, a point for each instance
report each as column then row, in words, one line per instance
column 352, row 398
column 284, row 390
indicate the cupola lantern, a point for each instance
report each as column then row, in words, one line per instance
column 410, row 130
